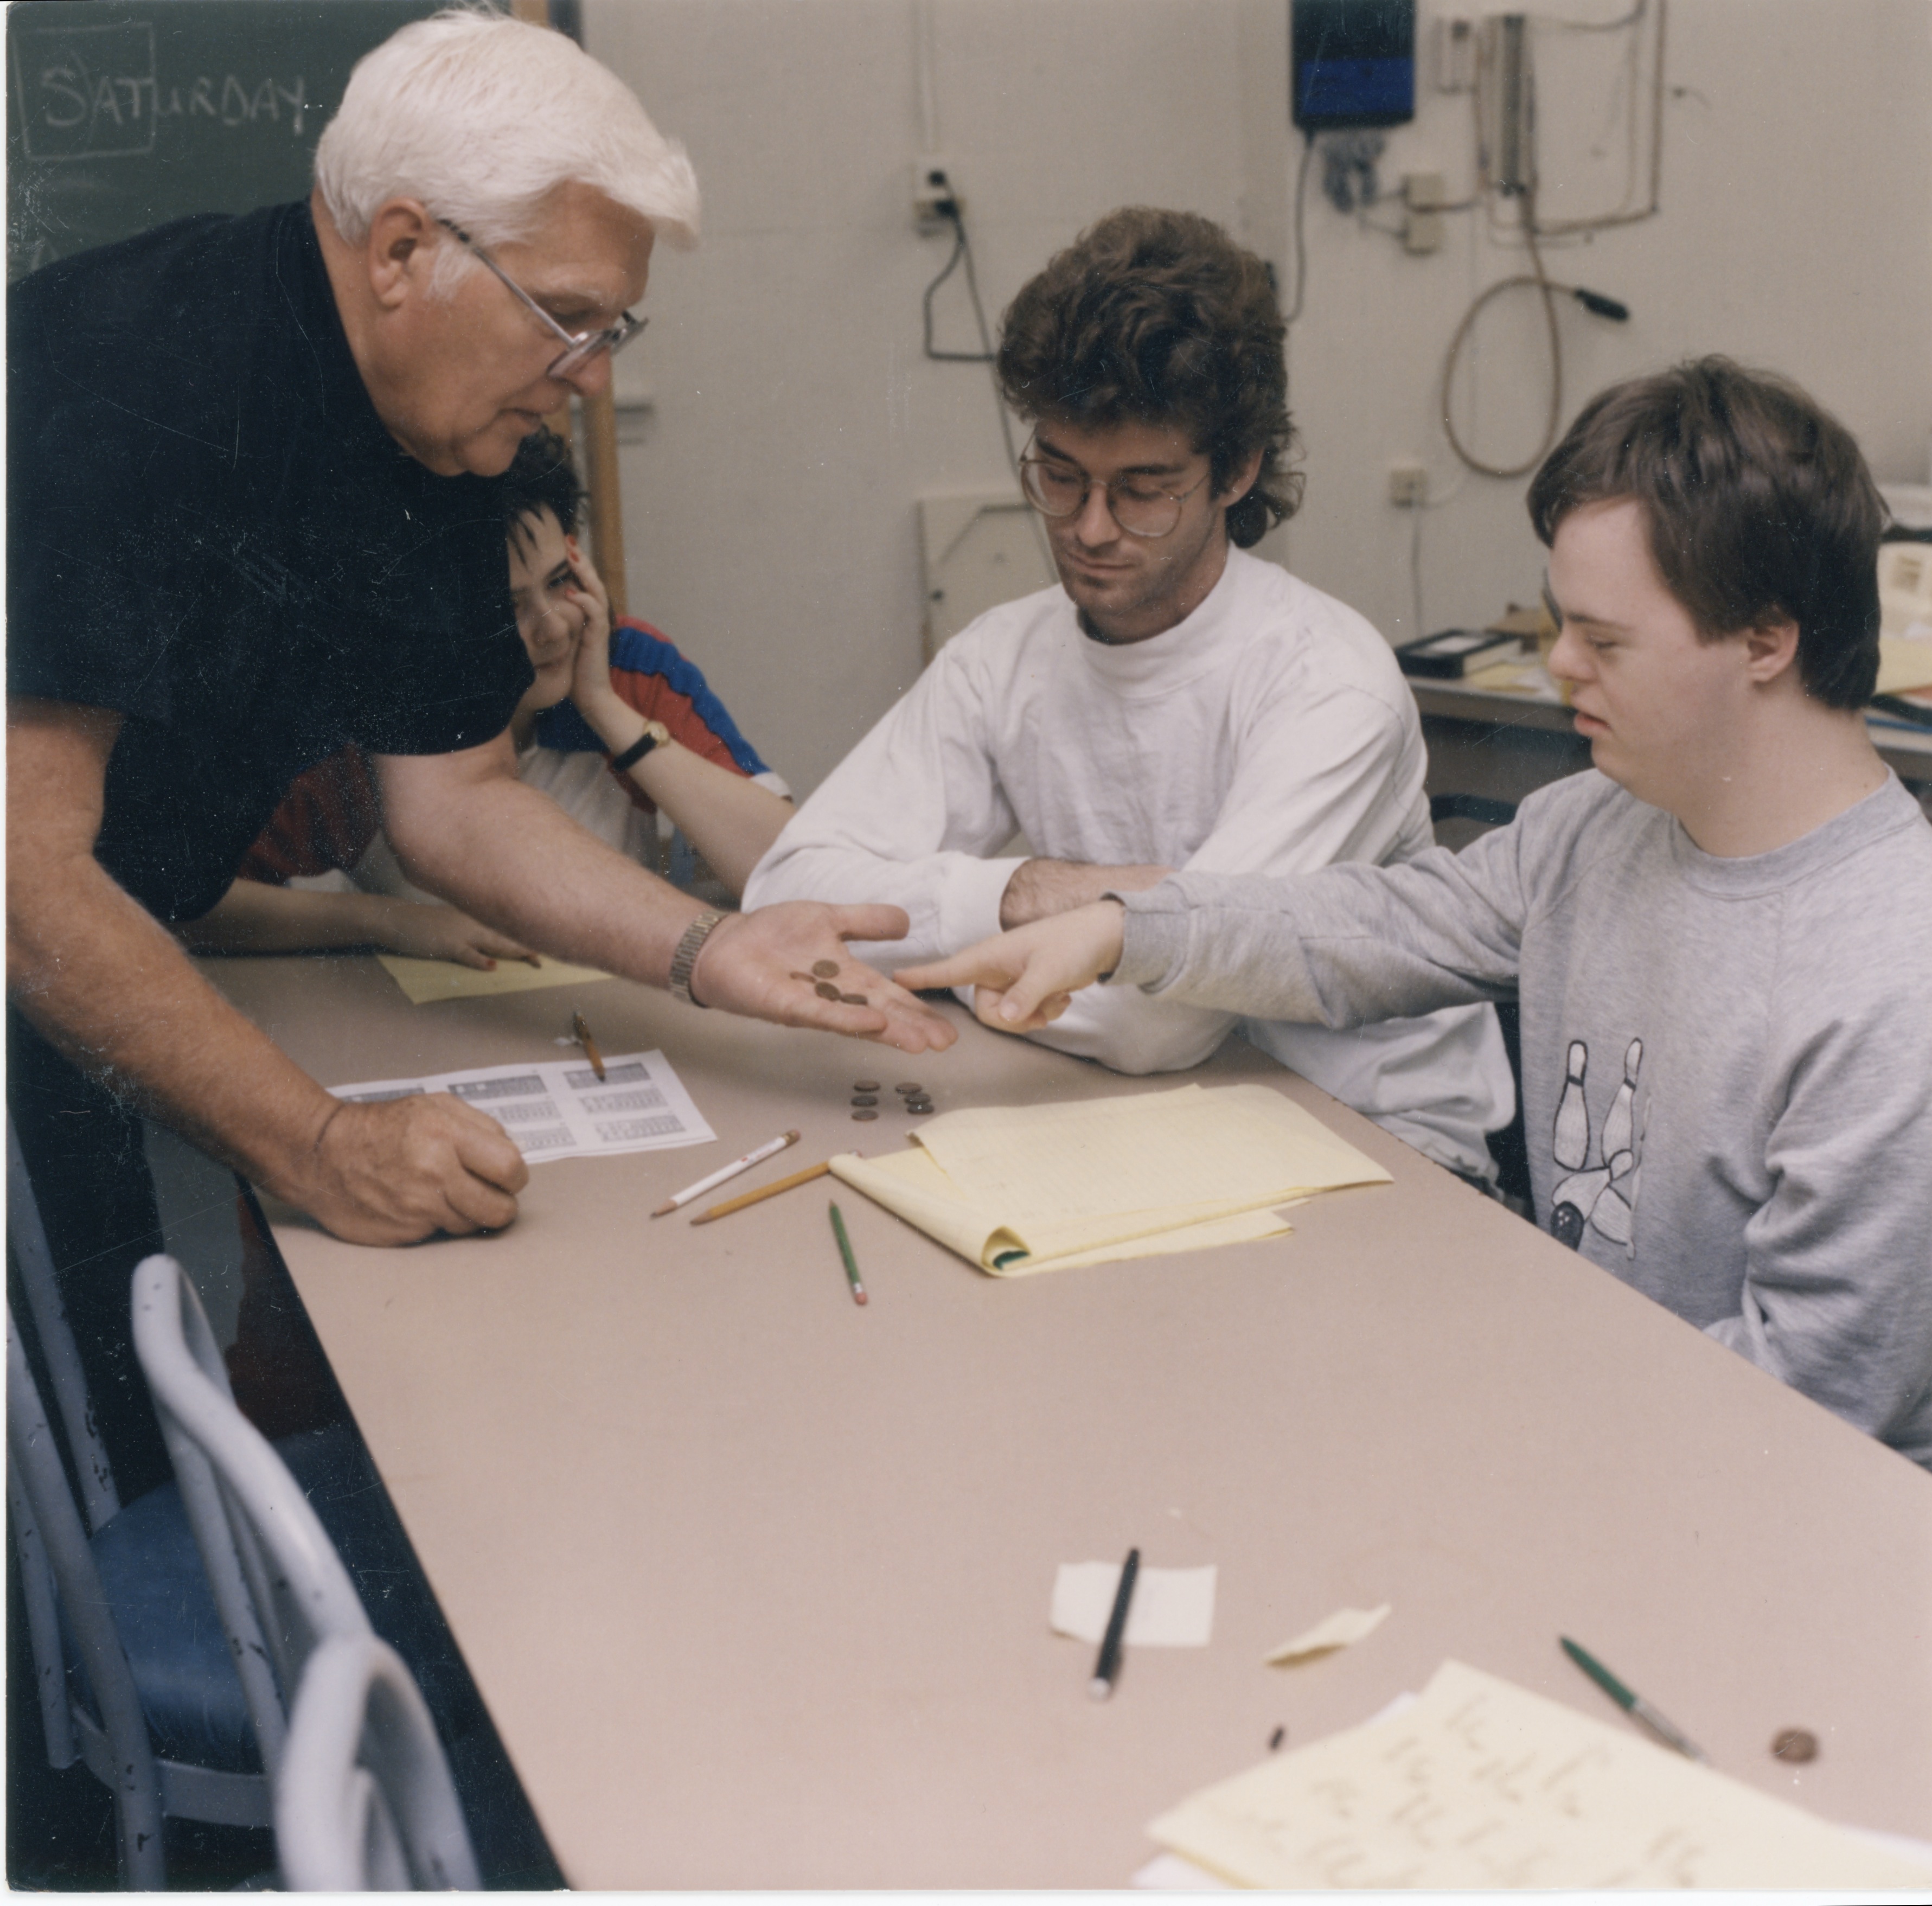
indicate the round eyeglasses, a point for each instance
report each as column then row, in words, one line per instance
column 581, row 346
column 1140, row 506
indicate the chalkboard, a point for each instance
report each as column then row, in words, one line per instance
column 122, row 114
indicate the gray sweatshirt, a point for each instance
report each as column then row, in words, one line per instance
column 1727, row 1063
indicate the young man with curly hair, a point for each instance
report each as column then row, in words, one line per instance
column 1718, row 937
column 1174, row 703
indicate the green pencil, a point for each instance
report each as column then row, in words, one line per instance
column 1632, row 1702
column 845, row 1252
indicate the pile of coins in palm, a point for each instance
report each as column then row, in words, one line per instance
column 820, row 979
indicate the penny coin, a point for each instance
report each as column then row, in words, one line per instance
column 1795, row 1744
column 806, row 976
column 865, row 1098
column 862, row 1115
column 855, row 999
column 864, row 1085
column 825, row 968
column 909, row 1090
column 825, row 990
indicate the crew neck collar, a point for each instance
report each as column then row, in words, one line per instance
column 1867, row 819
column 1176, row 654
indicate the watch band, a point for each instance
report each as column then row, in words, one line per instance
column 655, row 735
column 685, row 958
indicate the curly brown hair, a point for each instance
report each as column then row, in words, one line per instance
column 1154, row 316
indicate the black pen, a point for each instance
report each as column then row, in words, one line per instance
column 1108, row 1667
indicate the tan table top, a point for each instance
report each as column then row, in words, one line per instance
column 755, row 1582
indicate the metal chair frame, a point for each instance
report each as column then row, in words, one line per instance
column 364, row 1802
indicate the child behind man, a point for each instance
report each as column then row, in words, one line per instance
column 616, row 726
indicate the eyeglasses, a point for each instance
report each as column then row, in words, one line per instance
column 1140, row 507
column 581, row 346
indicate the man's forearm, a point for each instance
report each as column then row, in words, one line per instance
column 511, row 856
column 1039, row 888
column 104, row 983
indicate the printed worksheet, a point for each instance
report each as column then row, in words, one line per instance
column 560, row 1109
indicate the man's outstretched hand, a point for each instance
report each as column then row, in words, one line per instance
column 763, row 965
column 1025, row 979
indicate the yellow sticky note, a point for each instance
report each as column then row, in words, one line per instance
column 1903, row 665
column 1341, row 1630
column 426, row 980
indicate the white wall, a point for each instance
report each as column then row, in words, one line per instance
column 769, row 508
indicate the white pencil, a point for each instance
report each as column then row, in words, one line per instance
column 731, row 1170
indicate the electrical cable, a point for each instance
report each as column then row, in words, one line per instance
column 962, row 249
column 1553, row 422
column 1593, row 302
column 1300, row 242
column 1415, row 568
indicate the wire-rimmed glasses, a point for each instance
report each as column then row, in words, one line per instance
column 1140, row 506
column 581, row 346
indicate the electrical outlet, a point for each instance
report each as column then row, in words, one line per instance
column 1421, row 231
column 1408, row 483
column 931, row 187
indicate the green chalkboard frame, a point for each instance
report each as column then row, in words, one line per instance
column 123, row 114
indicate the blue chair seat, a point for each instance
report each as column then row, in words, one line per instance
column 151, row 1574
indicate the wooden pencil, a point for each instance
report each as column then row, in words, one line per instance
column 771, row 1190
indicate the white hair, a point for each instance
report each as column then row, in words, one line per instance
column 481, row 117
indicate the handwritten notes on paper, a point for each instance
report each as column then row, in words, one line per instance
column 1481, row 1784
column 426, row 980
column 1342, row 1629
column 1172, row 1607
column 560, row 1109
column 1017, row 1190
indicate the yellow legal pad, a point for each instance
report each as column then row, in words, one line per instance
column 426, row 980
column 1020, row 1189
column 1480, row 1785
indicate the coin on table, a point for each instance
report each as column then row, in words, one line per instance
column 825, row 990
column 865, row 1115
column 910, row 1090
column 854, row 999
column 1795, row 1744
column 825, row 968
column 865, row 1098
column 864, row 1085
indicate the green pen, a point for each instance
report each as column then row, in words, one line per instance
column 1634, row 1704
column 845, row 1252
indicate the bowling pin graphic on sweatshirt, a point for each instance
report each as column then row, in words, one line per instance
column 1603, row 1196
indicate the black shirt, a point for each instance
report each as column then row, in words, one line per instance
column 212, row 532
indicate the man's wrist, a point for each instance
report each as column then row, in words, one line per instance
column 684, row 957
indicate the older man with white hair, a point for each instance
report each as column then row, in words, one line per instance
column 251, row 522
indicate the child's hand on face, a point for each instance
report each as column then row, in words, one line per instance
column 590, row 680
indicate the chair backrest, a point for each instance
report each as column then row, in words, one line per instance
column 278, row 1582
column 100, row 1500
column 364, row 1801
column 54, row 1559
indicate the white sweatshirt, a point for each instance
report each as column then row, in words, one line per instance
column 1271, row 732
